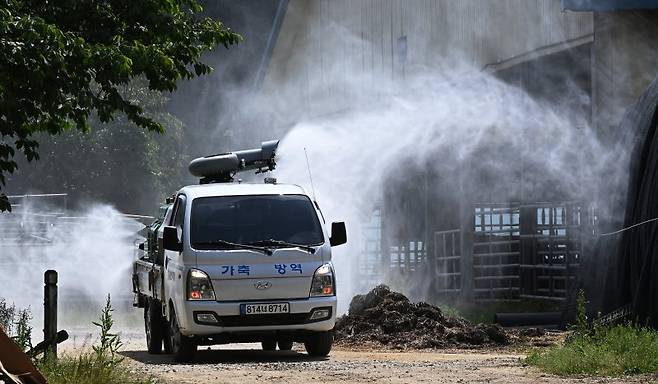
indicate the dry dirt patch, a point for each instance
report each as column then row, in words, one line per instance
column 246, row 365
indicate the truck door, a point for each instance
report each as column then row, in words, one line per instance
column 159, row 273
column 173, row 261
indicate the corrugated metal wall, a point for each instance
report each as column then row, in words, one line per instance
column 625, row 62
column 390, row 39
column 608, row 5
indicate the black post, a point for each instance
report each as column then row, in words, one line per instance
column 50, row 312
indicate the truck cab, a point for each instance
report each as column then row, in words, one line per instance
column 239, row 263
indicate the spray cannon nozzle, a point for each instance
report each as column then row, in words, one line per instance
column 222, row 167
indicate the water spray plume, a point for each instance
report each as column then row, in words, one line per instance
column 310, row 175
column 477, row 136
column 92, row 251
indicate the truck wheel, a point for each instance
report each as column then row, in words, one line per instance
column 268, row 345
column 284, row 345
column 319, row 343
column 155, row 332
column 183, row 348
column 167, row 338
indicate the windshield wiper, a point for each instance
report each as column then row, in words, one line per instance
column 236, row 245
column 282, row 243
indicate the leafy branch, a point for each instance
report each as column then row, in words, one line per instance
column 61, row 61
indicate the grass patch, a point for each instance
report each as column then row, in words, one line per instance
column 599, row 350
column 450, row 311
column 88, row 368
column 484, row 312
column 615, row 351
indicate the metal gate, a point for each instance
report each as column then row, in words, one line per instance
column 519, row 251
column 447, row 259
column 513, row 251
column 496, row 254
column 551, row 244
column 368, row 270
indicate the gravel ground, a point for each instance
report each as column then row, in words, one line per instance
column 246, row 363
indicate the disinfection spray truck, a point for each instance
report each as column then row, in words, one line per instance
column 227, row 261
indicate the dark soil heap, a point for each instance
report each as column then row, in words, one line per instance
column 385, row 317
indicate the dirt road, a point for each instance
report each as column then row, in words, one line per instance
column 246, row 363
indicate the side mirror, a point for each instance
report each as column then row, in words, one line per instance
column 338, row 234
column 170, row 240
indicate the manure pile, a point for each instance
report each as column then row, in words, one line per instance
column 388, row 318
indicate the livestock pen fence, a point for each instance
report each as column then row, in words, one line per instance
column 505, row 252
column 31, row 219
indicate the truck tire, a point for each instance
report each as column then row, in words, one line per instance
column 167, row 339
column 268, row 345
column 153, row 327
column 318, row 344
column 182, row 347
column 284, row 345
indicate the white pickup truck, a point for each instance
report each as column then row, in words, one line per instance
column 233, row 262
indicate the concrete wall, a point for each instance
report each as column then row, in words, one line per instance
column 390, row 39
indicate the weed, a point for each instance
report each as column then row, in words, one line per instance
column 23, row 336
column 581, row 327
column 16, row 324
column 600, row 350
column 620, row 350
column 102, row 366
column 7, row 314
column 87, row 368
column 450, row 311
column 109, row 342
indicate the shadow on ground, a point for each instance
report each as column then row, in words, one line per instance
column 226, row 356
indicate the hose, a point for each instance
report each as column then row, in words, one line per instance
column 627, row 228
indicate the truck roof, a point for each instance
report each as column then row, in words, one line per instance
column 239, row 189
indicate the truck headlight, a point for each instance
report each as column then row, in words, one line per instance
column 323, row 281
column 199, row 286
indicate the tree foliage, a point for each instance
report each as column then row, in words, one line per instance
column 113, row 162
column 62, row 61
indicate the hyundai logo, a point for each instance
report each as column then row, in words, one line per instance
column 262, row 285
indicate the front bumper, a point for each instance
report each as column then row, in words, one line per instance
column 231, row 321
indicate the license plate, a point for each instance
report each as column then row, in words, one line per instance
column 265, row 308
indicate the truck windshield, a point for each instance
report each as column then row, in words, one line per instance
column 253, row 219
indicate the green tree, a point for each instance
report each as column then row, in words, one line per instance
column 63, row 61
column 113, row 162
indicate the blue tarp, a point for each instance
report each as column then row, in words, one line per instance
column 608, row 5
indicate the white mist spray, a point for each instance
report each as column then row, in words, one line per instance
column 92, row 253
column 443, row 121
